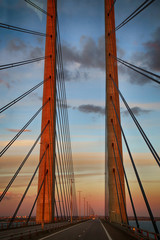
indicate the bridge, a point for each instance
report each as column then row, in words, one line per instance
column 52, row 198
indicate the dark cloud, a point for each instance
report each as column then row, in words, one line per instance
column 92, row 54
column 16, row 45
column 88, row 108
column 5, row 83
column 36, row 52
column 120, row 51
column 149, row 60
column 74, row 76
column 134, row 77
column 152, row 55
column 137, row 111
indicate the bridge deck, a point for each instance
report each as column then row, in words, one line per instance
column 89, row 230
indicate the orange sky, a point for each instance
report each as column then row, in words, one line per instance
column 89, row 178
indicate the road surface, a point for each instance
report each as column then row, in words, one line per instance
column 90, row 230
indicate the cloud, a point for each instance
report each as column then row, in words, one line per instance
column 149, row 60
column 75, row 75
column 153, row 51
column 137, row 111
column 5, row 83
column 36, row 52
column 91, row 55
column 88, row 108
column 17, row 130
column 37, row 96
column 16, row 44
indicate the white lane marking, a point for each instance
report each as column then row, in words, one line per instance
column 109, row 237
column 62, row 231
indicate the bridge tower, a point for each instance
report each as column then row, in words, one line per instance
column 114, row 209
column 45, row 202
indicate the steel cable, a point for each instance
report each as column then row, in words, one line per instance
column 22, row 164
column 17, row 64
column 22, row 130
column 8, row 105
column 150, row 146
column 24, row 30
column 143, row 6
column 29, row 184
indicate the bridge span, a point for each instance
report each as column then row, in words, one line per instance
column 97, row 229
column 52, row 203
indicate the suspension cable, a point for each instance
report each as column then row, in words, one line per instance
column 60, row 187
column 117, row 194
column 153, row 151
column 36, row 197
column 22, row 164
column 133, row 67
column 67, row 133
column 129, row 191
column 56, row 208
column 136, row 173
column 58, row 198
column 24, row 30
column 8, row 105
column 62, row 128
column 37, row 7
column 22, row 130
column 62, row 162
column 143, row 6
column 122, row 193
column 29, row 184
column 66, row 112
column 62, row 171
column 17, row 64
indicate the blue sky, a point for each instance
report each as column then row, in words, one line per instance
column 82, row 38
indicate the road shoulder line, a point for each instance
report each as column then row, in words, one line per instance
column 109, row 237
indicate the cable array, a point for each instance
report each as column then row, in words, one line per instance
column 142, row 7
column 64, row 163
column 150, row 146
column 113, row 96
column 23, row 30
column 64, row 175
column 37, row 7
column 17, row 64
column 10, row 104
column 137, row 69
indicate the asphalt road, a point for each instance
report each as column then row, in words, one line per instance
column 90, row 230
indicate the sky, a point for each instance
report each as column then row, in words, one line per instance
column 82, row 38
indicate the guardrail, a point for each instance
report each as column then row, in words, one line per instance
column 9, row 234
column 144, row 234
